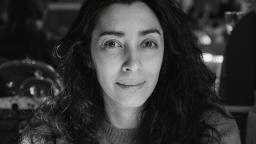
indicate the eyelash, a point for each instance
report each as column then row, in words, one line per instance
column 152, row 42
column 106, row 44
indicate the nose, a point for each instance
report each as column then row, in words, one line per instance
column 132, row 61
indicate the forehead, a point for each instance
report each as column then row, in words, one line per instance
column 120, row 15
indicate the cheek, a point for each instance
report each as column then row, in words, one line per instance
column 153, row 65
column 106, row 68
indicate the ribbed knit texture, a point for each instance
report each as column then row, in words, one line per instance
column 109, row 134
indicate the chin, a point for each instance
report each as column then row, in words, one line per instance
column 135, row 101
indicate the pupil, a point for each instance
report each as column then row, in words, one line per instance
column 112, row 44
column 148, row 44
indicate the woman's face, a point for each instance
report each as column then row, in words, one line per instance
column 127, row 49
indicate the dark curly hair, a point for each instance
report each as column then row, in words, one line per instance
column 172, row 114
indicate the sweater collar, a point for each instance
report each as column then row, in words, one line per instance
column 116, row 135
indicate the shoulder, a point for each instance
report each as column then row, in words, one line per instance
column 226, row 126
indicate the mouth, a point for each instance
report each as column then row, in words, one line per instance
column 131, row 85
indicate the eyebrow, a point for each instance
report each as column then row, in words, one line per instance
column 119, row 33
column 149, row 31
column 115, row 33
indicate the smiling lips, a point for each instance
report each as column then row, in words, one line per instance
column 130, row 85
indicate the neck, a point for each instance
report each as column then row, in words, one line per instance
column 122, row 117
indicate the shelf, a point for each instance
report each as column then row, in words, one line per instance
column 64, row 6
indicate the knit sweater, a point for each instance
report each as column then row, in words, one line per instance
column 108, row 134
column 227, row 128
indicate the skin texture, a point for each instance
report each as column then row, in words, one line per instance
column 127, row 50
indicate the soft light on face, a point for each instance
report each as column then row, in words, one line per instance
column 127, row 50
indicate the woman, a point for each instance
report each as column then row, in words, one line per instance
column 133, row 74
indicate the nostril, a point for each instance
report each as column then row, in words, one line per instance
column 126, row 69
column 132, row 63
column 131, row 67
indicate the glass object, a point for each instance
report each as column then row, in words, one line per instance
column 26, row 83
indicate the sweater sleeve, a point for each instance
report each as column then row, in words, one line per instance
column 229, row 131
column 227, row 128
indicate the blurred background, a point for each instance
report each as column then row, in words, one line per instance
column 30, row 30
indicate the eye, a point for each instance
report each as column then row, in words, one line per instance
column 110, row 44
column 149, row 44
